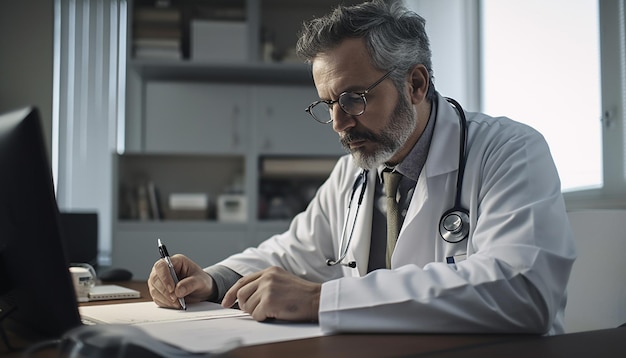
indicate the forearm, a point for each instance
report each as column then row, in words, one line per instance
column 437, row 300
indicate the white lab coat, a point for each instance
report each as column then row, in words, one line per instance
column 519, row 251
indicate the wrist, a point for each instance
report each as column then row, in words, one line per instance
column 210, row 284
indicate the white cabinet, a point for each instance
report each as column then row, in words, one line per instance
column 210, row 118
column 285, row 128
column 195, row 118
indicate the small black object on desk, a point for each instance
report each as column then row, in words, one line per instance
column 115, row 275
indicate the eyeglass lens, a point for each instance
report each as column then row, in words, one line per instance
column 350, row 102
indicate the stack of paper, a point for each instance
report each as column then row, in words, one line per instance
column 203, row 327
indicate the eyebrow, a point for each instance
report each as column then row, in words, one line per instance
column 351, row 88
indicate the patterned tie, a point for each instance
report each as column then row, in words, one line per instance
column 391, row 181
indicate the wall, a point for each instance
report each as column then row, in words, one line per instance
column 597, row 287
column 26, row 57
column 453, row 32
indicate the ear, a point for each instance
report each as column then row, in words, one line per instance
column 419, row 80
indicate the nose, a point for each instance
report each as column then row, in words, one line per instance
column 341, row 120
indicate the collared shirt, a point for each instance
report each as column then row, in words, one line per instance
column 410, row 168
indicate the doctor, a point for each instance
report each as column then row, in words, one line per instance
column 503, row 268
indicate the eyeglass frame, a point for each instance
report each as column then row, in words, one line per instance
column 330, row 102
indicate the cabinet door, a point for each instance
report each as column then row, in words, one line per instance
column 285, row 128
column 195, row 118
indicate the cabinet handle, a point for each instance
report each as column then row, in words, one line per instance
column 235, row 126
column 269, row 113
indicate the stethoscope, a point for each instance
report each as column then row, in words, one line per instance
column 454, row 224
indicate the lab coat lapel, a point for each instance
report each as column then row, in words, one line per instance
column 434, row 192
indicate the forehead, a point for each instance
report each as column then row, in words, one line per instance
column 348, row 64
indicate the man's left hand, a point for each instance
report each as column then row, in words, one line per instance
column 275, row 293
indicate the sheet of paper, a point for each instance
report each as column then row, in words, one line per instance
column 149, row 312
column 224, row 334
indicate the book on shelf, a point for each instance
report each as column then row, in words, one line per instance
column 157, row 33
column 155, row 203
column 162, row 43
column 143, row 203
column 156, row 14
column 152, row 48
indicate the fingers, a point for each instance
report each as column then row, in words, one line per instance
column 247, row 294
column 194, row 284
column 161, row 283
column 161, row 286
column 234, row 294
column 275, row 293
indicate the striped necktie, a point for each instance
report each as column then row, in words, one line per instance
column 391, row 179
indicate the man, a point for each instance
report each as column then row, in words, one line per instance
column 509, row 269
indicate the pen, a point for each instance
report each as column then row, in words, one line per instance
column 166, row 256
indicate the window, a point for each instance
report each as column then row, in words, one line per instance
column 541, row 66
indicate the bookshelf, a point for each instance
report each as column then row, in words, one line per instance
column 216, row 126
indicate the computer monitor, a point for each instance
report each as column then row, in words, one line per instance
column 79, row 231
column 36, row 294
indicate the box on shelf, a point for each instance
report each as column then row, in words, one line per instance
column 232, row 208
column 214, row 40
column 188, row 206
column 188, row 201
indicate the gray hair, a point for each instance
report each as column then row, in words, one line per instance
column 395, row 37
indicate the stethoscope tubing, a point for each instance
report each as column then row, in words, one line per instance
column 344, row 251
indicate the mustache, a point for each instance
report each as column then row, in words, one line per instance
column 355, row 135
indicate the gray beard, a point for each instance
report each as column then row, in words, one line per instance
column 390, row 140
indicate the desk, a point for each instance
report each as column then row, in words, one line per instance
column 601, row 343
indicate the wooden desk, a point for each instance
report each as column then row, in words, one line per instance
column 601, row 343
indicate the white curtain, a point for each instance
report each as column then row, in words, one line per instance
column 88, row 106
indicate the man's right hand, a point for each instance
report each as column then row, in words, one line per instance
column 194, row 284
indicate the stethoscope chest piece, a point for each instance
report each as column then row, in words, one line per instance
column 454, row 225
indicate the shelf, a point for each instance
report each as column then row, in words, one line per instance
column 179, row 225
column 173, row 174
column 201, row 126
column 283, row 73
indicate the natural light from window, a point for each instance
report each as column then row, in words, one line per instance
column 541, row 67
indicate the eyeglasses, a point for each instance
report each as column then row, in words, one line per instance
column 352, row 103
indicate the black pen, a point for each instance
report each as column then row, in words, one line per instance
column 166, row 256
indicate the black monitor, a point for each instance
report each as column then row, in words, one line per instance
column 80, row 237
column 36, row 293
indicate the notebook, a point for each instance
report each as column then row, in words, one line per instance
column 111, row 292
